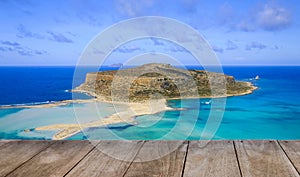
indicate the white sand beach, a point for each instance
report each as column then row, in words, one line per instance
column 127, row 116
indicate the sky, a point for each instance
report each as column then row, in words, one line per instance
column 248, row 32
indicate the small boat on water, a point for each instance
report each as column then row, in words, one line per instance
column 257, row 77
column 206, row 102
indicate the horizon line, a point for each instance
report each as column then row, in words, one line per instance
column 139, row 65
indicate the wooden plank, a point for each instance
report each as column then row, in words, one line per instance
column 263, row 158
column 3, row 142
column 15, row 153
column 109, row 158
column 56, row 160
column 153, row 158
column 159, row 158
column 210, row 159
column 292, row 149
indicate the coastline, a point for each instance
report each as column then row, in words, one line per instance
column 103, row 99
column 98, row 98
column 247, row 92
column 128, row 116
column 250, row 91
column 133, row 109
column 49, row 105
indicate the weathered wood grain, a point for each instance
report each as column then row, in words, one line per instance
column 15, row 153
column 56, row 160
column 292, row 149
column 150, row 158
column 210, row 159
column 2, row 143
column 109, row 158
column 159, row 158
column 263, row 158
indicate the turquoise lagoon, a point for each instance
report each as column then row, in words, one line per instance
column 271, row 112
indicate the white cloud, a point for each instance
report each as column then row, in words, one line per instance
column 218, row 49
column 230, row 45
column 246, row 26
column 132, row 8
column 189, row 5
column 268, row 17
column 128, row 49
column 225, row 14
column 255, row 45
column 273, row 18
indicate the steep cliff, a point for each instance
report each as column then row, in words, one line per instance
column 157, row 80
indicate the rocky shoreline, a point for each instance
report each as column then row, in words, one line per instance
column 132, row 85
column 141, row 91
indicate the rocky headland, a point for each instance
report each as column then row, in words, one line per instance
column 143, row 90
column 160, row 80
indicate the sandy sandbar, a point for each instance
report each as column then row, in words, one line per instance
column 127, row 116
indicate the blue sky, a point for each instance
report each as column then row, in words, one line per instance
column 248, row 32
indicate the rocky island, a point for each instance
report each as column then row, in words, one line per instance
column 144, row 90
column 141, row 83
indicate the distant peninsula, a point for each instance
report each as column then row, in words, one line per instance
column 170, row 82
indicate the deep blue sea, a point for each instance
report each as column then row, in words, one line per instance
column 34, row 85
column 271, row 112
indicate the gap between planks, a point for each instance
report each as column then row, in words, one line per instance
column 239, row 148
column 95, row 145
column 289, row 158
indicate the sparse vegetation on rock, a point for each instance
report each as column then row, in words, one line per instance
column 141, row 83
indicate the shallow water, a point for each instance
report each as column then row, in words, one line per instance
column 271, row 112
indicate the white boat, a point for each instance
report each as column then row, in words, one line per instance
column 207, row 102
column 257, row 77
